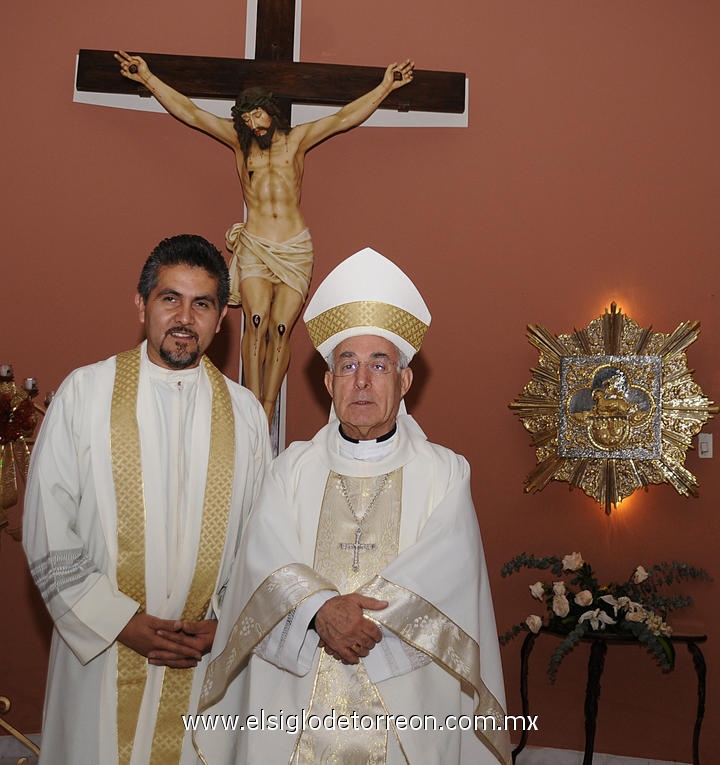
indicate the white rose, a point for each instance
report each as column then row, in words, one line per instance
column 572, row 562
column 559, row 588
column 636, row 616
column 584, row 598
column 537, row 590
column 534, row 623
column 640, row 575
column 560, row 606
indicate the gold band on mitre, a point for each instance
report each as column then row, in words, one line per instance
column 367, row 313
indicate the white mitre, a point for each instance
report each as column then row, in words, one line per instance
column 367, row 294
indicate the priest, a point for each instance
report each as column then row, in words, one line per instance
column 143, row 473
column 361, row 627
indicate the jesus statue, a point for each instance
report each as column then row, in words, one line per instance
column 272, row 250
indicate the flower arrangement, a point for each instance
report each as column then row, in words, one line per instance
column 635, row 609
column 18, row 420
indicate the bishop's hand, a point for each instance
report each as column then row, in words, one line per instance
column 345, row 632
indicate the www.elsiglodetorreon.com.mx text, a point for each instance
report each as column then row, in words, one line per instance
column 293, row 723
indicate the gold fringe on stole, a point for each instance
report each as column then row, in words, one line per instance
column 127, row 475
column 423, row 626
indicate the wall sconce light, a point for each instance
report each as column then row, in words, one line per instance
column 612, row 408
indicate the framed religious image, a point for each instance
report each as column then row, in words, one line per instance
column 612, row 408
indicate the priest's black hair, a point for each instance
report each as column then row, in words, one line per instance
column 186, row 250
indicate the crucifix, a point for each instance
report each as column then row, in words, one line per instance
column 272, row 249
column 273, row 68
column 356, row 547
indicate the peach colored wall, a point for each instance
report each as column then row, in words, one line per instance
column 589, row 173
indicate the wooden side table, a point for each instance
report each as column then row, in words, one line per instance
column 599, row 642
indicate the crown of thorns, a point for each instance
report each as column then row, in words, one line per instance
column 258, row 102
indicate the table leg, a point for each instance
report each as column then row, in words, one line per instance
column 596, row 664
column 701, row 672
column 527, row 647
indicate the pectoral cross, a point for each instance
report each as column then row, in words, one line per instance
column 356, row 546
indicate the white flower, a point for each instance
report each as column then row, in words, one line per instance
column 630, row 606
column 638, row 615
column 559, row 588
column 656, row 625
column 572, row 562
column 640, row 575
column 598, row 619
column 534, row 623
column 560, row 605
column 610, row 600
column 537, row 590
column 584, row 598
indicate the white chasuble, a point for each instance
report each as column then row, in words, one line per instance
column 71, row 537
column 439, row 654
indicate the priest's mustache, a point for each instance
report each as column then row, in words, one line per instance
column 182, row 329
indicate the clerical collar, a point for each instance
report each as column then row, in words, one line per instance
column 371, row 451
column 172, row 376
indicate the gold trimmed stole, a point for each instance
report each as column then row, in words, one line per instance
column 420, row 624
column 128, row 481
column 350, row 559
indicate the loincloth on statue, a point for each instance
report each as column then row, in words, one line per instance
column 287, row 262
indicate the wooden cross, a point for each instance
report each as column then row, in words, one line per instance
column 214, row 83
column 203, row 77
column 356, row 547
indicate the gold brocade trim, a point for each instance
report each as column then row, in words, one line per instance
column 367, row 313
column 342, row 693
column 130, row 502
column 341, row 688
column 127, row 476
column 423, row 626
column 278, row 594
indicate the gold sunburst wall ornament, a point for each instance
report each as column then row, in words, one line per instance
column 613, row 408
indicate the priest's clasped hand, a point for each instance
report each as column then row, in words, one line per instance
column 345, row 632
column 168, row 642
column 193, row 637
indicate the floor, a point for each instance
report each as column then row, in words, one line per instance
column 530, row 756
column 31, row 760
column 543, row 756
column 11, row 751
